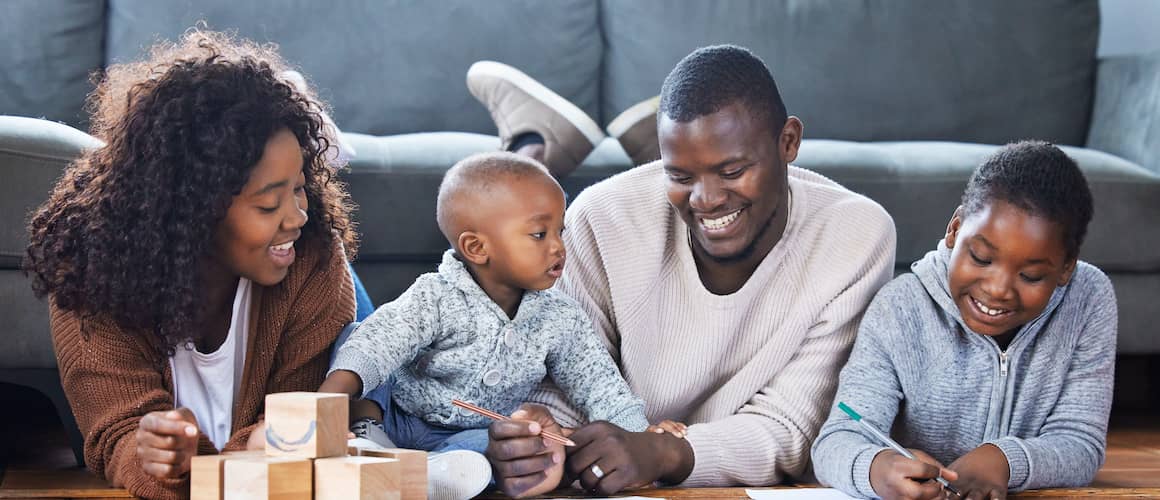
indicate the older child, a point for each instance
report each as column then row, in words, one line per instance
column 487, row 327
column 995, row 356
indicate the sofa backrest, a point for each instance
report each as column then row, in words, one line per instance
column 48, row 50
column 392, row 66
column 988, row 71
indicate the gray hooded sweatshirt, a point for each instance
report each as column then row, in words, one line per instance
column 920, row 374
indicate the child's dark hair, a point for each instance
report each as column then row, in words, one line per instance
column 127, row 226
column 1037, row 177
column 476, row 175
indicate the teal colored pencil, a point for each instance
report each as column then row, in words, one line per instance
column 891, row 443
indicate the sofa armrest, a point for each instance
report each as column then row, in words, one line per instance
column 33, row 154
column 1126, row 112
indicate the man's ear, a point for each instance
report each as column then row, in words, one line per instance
column 472, row 246
column 790, row 139
column 1068, row 271
column 953, row 227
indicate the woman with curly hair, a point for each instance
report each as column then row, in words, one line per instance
column 195, row 263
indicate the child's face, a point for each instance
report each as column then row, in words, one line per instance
column 525, row 239
column 256, row 238
column 1005, row 264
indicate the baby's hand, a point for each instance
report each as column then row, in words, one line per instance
column 675, row 428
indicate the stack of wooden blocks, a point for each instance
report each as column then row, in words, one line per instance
column 307, row 457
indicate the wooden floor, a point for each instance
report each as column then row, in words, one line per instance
column 36, row 461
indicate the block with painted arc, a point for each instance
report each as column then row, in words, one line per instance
column 306, row 424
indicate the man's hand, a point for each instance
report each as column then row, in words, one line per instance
column 167, row 442
column 983, row 473
column 525, row 463
column 895, row 476
column 625, row 459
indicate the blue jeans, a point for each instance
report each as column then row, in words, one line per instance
column 410, row 431
column 361, row 298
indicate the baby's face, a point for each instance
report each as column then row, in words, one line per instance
column 525, row 238
column 1005, row 264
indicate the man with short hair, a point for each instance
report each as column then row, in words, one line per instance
column 727, row 284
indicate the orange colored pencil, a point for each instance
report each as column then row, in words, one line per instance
column 496, row 416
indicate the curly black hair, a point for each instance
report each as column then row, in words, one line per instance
column 1039, row 178
column 713, row 77
column 124, row 232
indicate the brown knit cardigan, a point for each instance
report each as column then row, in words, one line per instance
column 113, row 377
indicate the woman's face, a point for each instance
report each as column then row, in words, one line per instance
column 256, row 238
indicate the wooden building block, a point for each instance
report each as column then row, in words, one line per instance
column 261, row 478
column 245, row 453
column 207, row 473
column 206, row 477
column 414, row 470
column 366, row 478
column 307, row 424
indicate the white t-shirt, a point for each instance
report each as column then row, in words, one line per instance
column 207, row 383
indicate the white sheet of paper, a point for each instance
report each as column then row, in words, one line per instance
column 797, row 494
column 610, row 498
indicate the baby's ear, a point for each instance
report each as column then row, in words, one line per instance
column 953, row 226
column 472, row 246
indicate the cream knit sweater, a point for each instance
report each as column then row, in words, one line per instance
column 753, row 372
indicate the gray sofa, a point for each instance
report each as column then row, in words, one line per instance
column 901, row 100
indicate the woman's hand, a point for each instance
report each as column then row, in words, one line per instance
column 257, row 440
column 895, row 476
column 167, row 442
column 608, row 459
column 525, row 463
column 983, row 473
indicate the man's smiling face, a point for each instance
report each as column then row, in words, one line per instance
column 726, row 177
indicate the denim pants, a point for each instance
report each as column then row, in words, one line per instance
column 362, row 300
column 410, row 431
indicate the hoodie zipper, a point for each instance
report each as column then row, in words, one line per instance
column 1001, row 418
column 999, row 406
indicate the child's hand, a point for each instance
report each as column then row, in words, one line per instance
column 895, row 476
column 675, row 428
column 983, row 473
column 342, row 382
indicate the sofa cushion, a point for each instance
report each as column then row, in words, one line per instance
column 49, row 49
column 33, row 154
column 27, row 340
column 390, row 67
column 987, row 71
column 394, row 181
column 921, row 183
